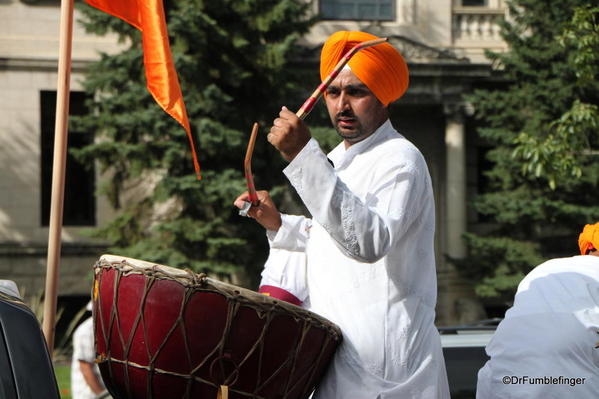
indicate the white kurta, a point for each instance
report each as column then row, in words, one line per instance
column 370, row 264
column 83, row 349
column 545, row 346
column 287, row 270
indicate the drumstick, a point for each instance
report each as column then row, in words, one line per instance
column 313, row 99
column 249, row 178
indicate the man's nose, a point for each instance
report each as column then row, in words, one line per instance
column 343, row 103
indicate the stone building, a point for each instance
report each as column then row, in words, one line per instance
column 442, row 40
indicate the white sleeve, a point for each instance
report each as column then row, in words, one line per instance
column 287, row 270
column 364, row 231
column 83, row 342
column 292, row 235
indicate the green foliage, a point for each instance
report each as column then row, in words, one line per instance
column 561, row 152
column 543, row 131
column 63, row 378
column 582, row 34
column 233, row 60
column 503, row 263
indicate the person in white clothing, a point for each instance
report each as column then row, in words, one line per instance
column 547, row 345
column 86, row 382
column 284, row 277
column 368, row 247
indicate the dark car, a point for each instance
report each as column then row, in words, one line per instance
column 464, row 352
column 26, row 370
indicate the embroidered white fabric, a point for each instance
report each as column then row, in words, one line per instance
column 370, row 264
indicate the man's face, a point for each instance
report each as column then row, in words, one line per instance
column 354, row 110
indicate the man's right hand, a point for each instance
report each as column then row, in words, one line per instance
column 288, row 134
column 265, row 213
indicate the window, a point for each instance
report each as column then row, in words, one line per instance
column 79, row 195
column 474, row 3
column 383, row 10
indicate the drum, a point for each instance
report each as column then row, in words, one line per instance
column 166, row 333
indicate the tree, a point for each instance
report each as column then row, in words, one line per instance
column 557, row 154
column 233, row 58
column 542, row 128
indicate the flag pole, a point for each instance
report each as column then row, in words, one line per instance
column 58, row 170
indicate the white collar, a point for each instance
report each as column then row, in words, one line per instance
column 341, row 157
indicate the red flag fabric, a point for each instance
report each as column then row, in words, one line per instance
column 162, row 80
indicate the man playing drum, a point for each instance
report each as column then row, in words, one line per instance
column 370, row 264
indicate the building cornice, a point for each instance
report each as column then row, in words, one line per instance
column 35, row 249
column 417, row 52
column 40, row 64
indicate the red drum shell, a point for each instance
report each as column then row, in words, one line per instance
column 165, row 333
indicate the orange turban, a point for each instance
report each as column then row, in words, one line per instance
column 589, row 238
column 381, row 68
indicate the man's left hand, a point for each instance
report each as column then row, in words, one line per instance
column 289, row 134
column 265, row 213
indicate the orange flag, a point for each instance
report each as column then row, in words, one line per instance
column 162, row 80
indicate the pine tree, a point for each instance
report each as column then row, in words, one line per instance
column 234, row 61
column 543, row 185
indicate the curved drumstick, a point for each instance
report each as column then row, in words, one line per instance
column 313, row 99
column 247, row 165
column 249, row 178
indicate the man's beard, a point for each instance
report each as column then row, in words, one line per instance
column 348, row 134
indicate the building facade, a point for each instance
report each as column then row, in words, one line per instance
column 442, row 40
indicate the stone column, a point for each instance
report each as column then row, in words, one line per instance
column 457, row 302
column 455, row 184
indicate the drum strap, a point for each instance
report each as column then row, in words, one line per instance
column 223, row 392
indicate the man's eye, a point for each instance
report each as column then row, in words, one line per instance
column 356, row 92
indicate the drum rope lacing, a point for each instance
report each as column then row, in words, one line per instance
column 193, row 282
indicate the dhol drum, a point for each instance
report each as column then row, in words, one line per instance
column 166, row 333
